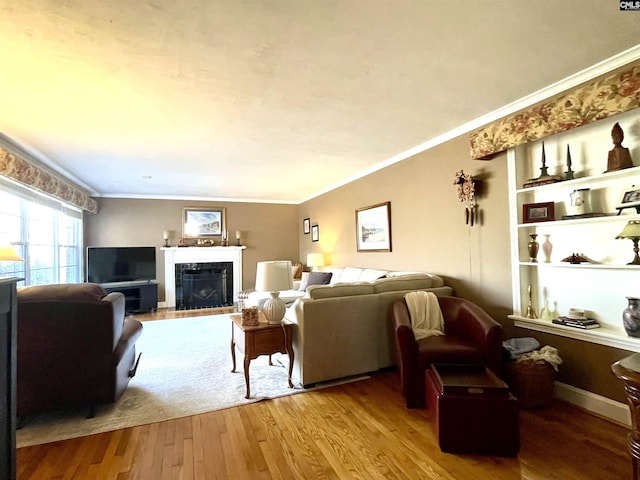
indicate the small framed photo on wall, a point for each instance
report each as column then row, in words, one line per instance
column 315, row 233
column 306, row 226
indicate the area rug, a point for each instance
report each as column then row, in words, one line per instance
column 185, row 369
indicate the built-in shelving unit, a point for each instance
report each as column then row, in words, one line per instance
column 600, row 286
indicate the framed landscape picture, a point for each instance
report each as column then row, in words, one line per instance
column 205, row 223
column 373, row 228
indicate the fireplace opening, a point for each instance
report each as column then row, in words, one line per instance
column 204, row 285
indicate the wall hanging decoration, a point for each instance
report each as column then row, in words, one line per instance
column 315, row 233
column 204, row 223
column 373, row 228
column 306, row 226
column 468, row 188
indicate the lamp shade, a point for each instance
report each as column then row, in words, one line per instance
column 630, row 230
column 274, row 276
column 7, row 253
column 315, row 260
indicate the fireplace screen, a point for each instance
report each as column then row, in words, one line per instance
column 204, row 285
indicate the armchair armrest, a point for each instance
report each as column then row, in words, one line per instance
column 406, row 345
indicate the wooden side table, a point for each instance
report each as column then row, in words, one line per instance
column 628, row 370
column 263, row 339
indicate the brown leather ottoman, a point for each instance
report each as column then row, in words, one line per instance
column 473, row 410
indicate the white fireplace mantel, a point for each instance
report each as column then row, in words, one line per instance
column 177, row 255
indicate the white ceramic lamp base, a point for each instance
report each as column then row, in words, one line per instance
column 274, row 308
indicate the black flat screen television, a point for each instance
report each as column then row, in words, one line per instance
column 121, row 264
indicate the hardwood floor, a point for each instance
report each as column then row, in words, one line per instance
column 360, row 430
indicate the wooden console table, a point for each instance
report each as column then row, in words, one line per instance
column 263, row 339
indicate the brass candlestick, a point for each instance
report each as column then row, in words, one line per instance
column 531, row 312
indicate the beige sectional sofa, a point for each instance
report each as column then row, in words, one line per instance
column 343, row 329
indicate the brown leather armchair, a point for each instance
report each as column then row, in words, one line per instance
column 75, row 347
column 471, row 336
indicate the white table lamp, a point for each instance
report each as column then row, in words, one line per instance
column 315, row 260
column 274, row 276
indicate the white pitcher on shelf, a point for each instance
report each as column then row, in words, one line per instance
column 580, row 202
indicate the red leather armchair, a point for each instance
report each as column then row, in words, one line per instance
column 75, row 347
column 471, row 336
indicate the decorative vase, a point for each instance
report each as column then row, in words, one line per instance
column 533, row 248
column 274, row 308
column 547, row 247
column 631, row 317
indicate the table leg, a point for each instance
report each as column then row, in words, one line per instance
column 289, row 348
column 247, row 361
column 233, row 354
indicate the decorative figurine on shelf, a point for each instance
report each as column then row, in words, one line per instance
column 531, row 312
column 544, row 177
column 576, row 259
column 568, row 175
column 543, row 169
column 533, row 247
column 468, row 188
column 619, row 156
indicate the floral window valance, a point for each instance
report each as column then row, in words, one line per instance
column 26, row 173
column 614, row 94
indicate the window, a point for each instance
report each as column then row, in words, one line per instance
column 45, row 233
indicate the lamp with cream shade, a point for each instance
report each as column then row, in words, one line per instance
column 632, row 231
column 315, row 260
column 273, row 277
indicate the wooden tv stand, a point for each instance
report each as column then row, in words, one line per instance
column 139, row 296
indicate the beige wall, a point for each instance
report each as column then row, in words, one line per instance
column 429, row 234
column 269, row 231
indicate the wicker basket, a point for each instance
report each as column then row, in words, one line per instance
column 532, row 382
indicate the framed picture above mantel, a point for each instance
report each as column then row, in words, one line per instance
column 203, row 223
column 373, row 228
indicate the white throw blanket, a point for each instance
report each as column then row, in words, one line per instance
column 426, row 316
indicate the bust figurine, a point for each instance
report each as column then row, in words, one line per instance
column 619, row 156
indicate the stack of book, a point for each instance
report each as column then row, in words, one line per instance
column 584, row 323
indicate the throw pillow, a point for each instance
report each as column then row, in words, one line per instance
column 314, row 278
column 296, row 270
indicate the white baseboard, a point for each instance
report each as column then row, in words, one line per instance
column 603, row 406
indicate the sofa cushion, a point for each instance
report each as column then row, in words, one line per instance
column 350, row 275
column 370, row 274
column 314, row 278
column 339, row 290
column 415, row 281
column 296, row 270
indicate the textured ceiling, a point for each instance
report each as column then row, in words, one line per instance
column 273, row 99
